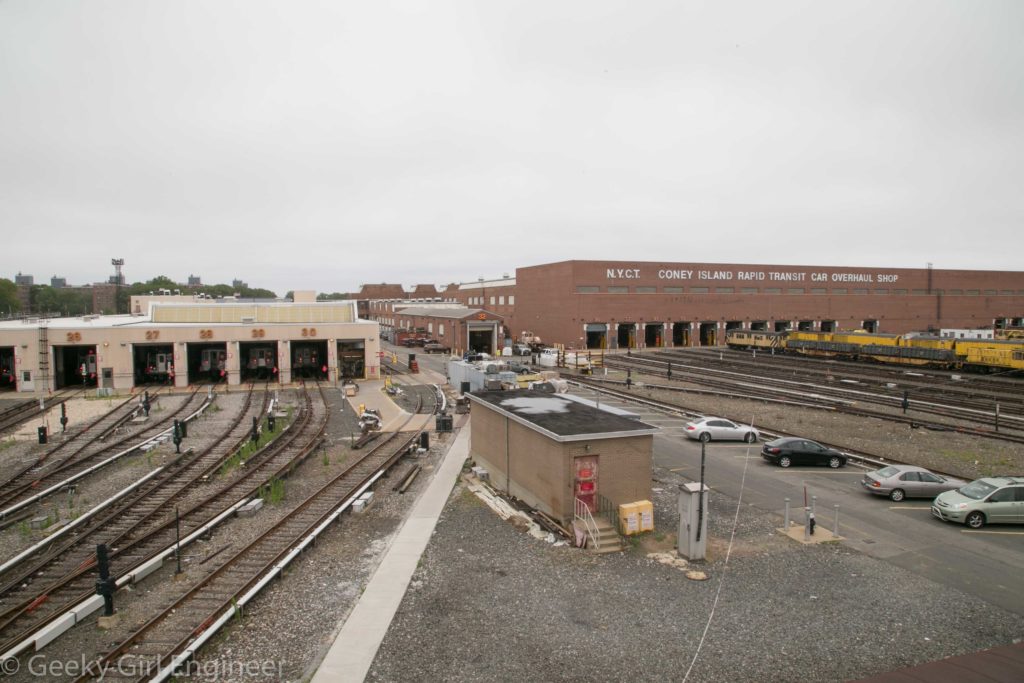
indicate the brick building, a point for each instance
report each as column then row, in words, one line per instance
column 549, row 449
column 619, row 304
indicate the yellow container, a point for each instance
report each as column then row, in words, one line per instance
column 645, row 510
column 629, row 519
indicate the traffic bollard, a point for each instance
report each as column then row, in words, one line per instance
column 835, row 531
column 814, row 499
column 807, row 524
column 787, row 516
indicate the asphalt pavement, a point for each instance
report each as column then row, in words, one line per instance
column 985, row 563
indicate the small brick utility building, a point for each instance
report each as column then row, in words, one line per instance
column 549, row 449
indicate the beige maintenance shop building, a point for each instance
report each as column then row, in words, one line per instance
column 184, row 343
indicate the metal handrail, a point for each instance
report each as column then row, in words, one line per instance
column 582, row 513
column 608, row 509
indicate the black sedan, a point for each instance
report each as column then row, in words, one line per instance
column 793, row 450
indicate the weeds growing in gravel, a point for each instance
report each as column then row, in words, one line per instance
column 231, row 463
column 7, row 443
column 273, row 491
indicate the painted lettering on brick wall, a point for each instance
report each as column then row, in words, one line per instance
column 751, row 275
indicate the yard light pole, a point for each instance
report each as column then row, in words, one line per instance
column 700, row 492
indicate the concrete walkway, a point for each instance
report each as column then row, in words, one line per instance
column 353, row 651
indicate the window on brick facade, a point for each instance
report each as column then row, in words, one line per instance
column 587, row 289
column 698, row 290
column 615, row 289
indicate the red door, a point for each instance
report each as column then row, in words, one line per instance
column 585, row 483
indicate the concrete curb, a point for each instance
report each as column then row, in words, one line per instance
column 353, row 651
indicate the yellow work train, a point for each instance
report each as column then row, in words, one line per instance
column 909, row 349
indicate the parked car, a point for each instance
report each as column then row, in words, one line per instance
column 908, row 481
column 435, row 347
column 718, row 429
column 990, row 500
column 521, row 350
column 792, row 450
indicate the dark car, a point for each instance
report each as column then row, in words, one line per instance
column 791, row 450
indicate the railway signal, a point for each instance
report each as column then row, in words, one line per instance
column 177, row 436
column 63, row 418
column 105, row 585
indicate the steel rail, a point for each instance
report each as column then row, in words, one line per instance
column 250, row 568
column 844, row 398
column 678, row 410
column 80, row 461
column 171, row 481
column 141, row 555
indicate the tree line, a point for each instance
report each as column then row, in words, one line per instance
column 73, row 301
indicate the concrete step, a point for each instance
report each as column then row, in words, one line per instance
column 607, row 546
column 607, row 536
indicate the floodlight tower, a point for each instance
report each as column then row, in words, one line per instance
column 117, row 263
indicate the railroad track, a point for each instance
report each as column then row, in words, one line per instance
column 54, row 561
column 99, row 429
column 13, row 416
column 605, row 387
column 973, row 390
column 831, row 398
column 32, row 480
column 171, row 637
column 150, row 530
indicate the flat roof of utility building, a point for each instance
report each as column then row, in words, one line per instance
column 558, row 417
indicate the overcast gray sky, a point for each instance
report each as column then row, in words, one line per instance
column 321, row 145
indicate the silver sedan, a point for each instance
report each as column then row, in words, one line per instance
column 707, row 428
column 907, row 481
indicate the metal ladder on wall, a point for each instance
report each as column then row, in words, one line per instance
column 44, row 356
